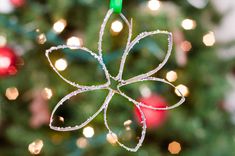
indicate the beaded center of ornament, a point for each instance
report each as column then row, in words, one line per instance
column 114, row 85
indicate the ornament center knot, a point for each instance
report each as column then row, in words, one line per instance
column 114, row 84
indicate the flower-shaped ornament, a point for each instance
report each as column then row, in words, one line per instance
column 119, row 79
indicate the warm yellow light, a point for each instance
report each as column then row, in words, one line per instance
column 88, row 132
column 171, row 76
column 3, row 41
column 61, row 119
column 82, row 142
column 61, row 64
column 112, row 138
column 182, row 89
column 186, row 46
column 41, row 38
column 117, row 26
column 74, row 42
column 59, row 25
column 174, row 147
column 12, row 93
column 35, row 147
column 188, row 24
column 209, row 39
column 5, row 62
column 38, row 30
column 127, row 123
column 154, row 5
column 47, row 93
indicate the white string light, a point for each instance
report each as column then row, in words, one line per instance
column 41, row 38
column 12, row 93
column 74, row 42
column 188, row 24
column 154, row 5
column 117, row 26
column 59, row 25
column 127, row 123
column 209, row 39
column 88, row 132
column 61, row 64
column 145, row 91
column 3, row 41
column 6, row 6
column 182, row 89
column 47, row 93
column 35, row 147
column 171, row 76
column 112, row 138
column 82, row 142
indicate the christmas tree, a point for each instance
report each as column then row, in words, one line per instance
column 30, row 89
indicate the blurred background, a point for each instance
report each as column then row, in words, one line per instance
column 202, row 67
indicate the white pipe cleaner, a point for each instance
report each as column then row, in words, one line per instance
column 143, row 77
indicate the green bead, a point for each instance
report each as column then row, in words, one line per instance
column 116, row 5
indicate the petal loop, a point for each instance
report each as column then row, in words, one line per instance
column 147, row 106
column 67, row 97
column 143, row 133
column 101, row 34
column 86, row 50
column 135, row 41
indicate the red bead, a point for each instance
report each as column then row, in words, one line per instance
column 154, row 118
